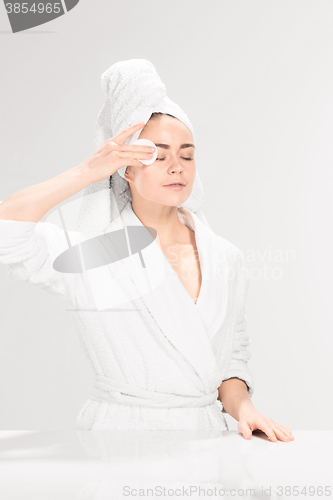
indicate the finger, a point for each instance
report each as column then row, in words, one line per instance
column 268, row 430
column 136, row 152
column 245, row 430
column 286, row 431
column 133, row 154
column 122, row 136
column 281, row 434
column 135, row 148
column 130, row 162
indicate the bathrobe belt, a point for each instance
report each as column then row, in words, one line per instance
column 112, row 391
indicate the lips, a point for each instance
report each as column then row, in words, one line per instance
column 175, row 184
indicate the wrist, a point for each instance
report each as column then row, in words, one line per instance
column 84, row 174
column 245, row 408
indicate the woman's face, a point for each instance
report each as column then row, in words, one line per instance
column 175, row 162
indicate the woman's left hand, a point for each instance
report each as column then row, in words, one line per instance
column 253, row 420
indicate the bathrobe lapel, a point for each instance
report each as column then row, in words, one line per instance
column 188, row 326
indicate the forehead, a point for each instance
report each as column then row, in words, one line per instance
column 166, row 129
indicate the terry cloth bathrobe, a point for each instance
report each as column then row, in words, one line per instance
column 158, row 357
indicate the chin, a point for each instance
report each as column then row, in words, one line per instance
column 172, row 201
column 167, row 197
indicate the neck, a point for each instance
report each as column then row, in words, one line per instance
column 164, row 219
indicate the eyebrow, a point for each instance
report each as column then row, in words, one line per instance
column 167, row 146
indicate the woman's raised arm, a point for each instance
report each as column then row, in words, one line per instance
column 32, row 203
column 27, row 245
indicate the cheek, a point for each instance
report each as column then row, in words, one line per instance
column 147, row 179
column 192, row 175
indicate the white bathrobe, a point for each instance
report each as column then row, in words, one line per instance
column 158, row 357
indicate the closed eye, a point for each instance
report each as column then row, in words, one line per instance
column 188, row 159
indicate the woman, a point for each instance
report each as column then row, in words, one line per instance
column 164, row 326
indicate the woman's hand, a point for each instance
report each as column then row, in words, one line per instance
column 113, row 154
column 253, row 420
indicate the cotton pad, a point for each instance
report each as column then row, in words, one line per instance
column 147, row 142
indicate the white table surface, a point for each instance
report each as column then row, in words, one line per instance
column 100, row 465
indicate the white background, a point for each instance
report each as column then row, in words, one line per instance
column 255, row 78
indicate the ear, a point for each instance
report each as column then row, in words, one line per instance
column 127, row 175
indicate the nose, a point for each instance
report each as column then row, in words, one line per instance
column 177, row 168
column 175, row 165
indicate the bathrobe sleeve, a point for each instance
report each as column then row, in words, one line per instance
column 25, row 249
column 240, row 353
